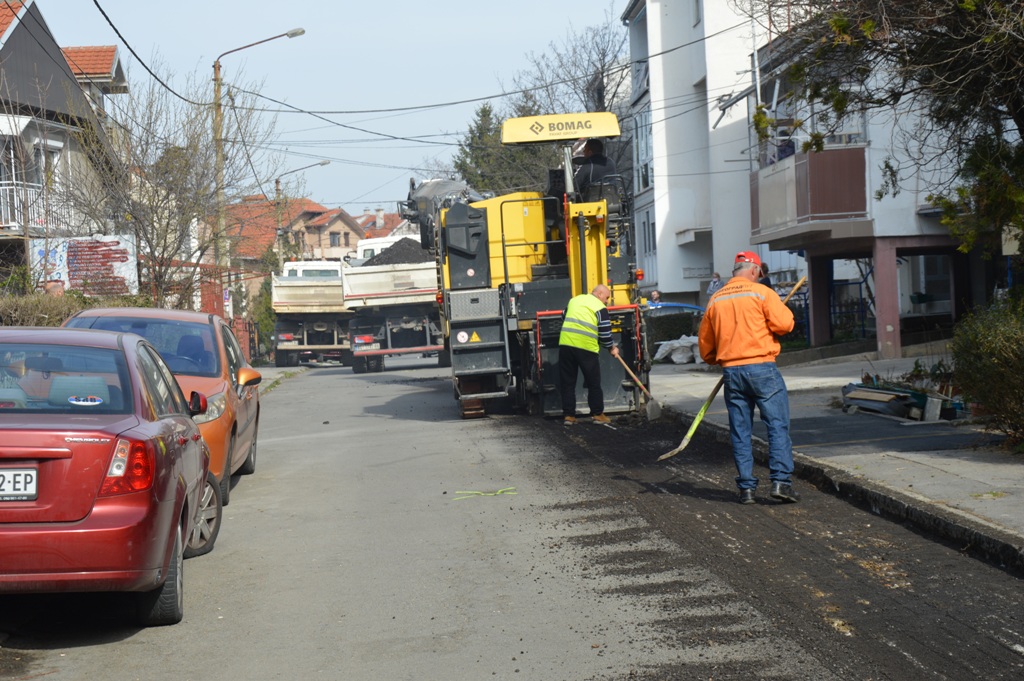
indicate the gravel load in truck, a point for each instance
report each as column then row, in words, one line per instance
column 406, row 250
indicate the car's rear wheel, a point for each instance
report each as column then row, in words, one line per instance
column 165, row 604
column 249, row 465
column 208, row 519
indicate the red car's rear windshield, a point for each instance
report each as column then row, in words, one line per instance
column 187, row 347
column 63, row 379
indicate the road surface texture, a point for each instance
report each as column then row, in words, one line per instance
column 382, row 537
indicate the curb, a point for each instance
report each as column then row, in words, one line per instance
column 966, row 533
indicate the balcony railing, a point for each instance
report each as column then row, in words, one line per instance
column 809, row 192
column 24, row 204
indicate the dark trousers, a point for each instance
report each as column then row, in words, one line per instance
column 571, row 361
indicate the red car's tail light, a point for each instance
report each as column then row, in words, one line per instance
column 131, row 470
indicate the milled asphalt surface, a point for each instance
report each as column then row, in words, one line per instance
column 950, row 479
column 947, row 478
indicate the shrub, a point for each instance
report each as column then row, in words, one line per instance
column 40, row 309
column 988, row 363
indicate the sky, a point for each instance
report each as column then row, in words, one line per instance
column 354, row 56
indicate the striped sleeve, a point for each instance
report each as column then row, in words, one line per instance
column 604, row 328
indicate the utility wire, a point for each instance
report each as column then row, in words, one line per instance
column 140, row 60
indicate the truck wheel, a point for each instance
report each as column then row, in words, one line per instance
column 375, row 364
column 346, row 358
column 444, row 358
column 359, row 365
column 280, row 358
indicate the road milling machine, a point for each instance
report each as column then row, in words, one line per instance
column 508, row 265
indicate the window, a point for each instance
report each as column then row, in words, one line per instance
column 45, row 168
column 347, row 235
column 335, row 239
column 63, row 379
column 185, row 346
column 165, row 395
column 235, row 359
column 643, row 150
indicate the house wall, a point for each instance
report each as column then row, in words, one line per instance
column 700, row 198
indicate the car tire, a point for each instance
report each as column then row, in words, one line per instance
column 165, row 604
column 208, row 520
column 249, row 465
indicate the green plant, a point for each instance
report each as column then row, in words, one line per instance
column 988, row 364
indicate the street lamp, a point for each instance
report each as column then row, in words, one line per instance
column 218, row 141
column 277, row 210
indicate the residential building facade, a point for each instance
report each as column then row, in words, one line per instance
column 707, row 185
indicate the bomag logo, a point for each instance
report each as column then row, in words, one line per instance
column 569, row 126
column 561, row 126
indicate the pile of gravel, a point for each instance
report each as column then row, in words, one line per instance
column 405, row 250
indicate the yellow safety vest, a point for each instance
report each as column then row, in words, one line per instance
column 579, row 330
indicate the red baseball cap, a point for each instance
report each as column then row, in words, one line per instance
column 748, row 256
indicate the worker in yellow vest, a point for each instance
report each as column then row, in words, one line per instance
column 586, row 328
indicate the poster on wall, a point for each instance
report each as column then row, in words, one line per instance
column 95, row 266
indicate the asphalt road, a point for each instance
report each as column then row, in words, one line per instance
column 382, row 537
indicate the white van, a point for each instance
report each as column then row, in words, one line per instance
column 367, row 248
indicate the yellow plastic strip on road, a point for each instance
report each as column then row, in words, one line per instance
column 472, row 495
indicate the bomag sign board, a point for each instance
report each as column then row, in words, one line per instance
column 559, row 127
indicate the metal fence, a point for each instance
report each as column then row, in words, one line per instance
column 23, row 204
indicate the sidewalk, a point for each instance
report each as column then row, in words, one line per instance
column 951, row 480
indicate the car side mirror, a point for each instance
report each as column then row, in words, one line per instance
column 196, row 404
column 248, row 376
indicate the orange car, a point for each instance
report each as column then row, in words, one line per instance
column 202, row 352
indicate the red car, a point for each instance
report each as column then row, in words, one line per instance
column 102, row 468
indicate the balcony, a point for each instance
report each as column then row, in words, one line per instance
column 811, row 197
column 24, row 204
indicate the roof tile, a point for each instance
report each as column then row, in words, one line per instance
column 92, row 61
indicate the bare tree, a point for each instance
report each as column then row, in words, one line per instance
column 161, row 186
column 587, row 71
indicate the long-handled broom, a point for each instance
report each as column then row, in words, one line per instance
column 718, row 386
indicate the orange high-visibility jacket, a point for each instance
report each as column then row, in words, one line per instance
column 741, row 323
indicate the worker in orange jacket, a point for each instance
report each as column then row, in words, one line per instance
column 739, row 332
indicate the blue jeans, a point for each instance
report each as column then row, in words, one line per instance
column 760, row 385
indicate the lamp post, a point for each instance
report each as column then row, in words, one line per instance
column 277, row 210
column 218, row 141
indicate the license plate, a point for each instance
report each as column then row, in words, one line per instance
column 367, row 346
column 287, row 343
column 18, row 484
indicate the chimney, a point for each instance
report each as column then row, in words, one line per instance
column 380, row 218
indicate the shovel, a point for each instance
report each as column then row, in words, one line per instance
column 653, row 408
column 718, row 386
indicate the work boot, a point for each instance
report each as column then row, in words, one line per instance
column 601, row 418
column 569, row 420
column 747, row 496
column 783, row 491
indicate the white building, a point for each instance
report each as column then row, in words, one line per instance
column 705, row 187
column 691, row 70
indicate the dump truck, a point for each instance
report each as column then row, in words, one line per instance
column 393, row 298
column 312, row 317
column 508, row 265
